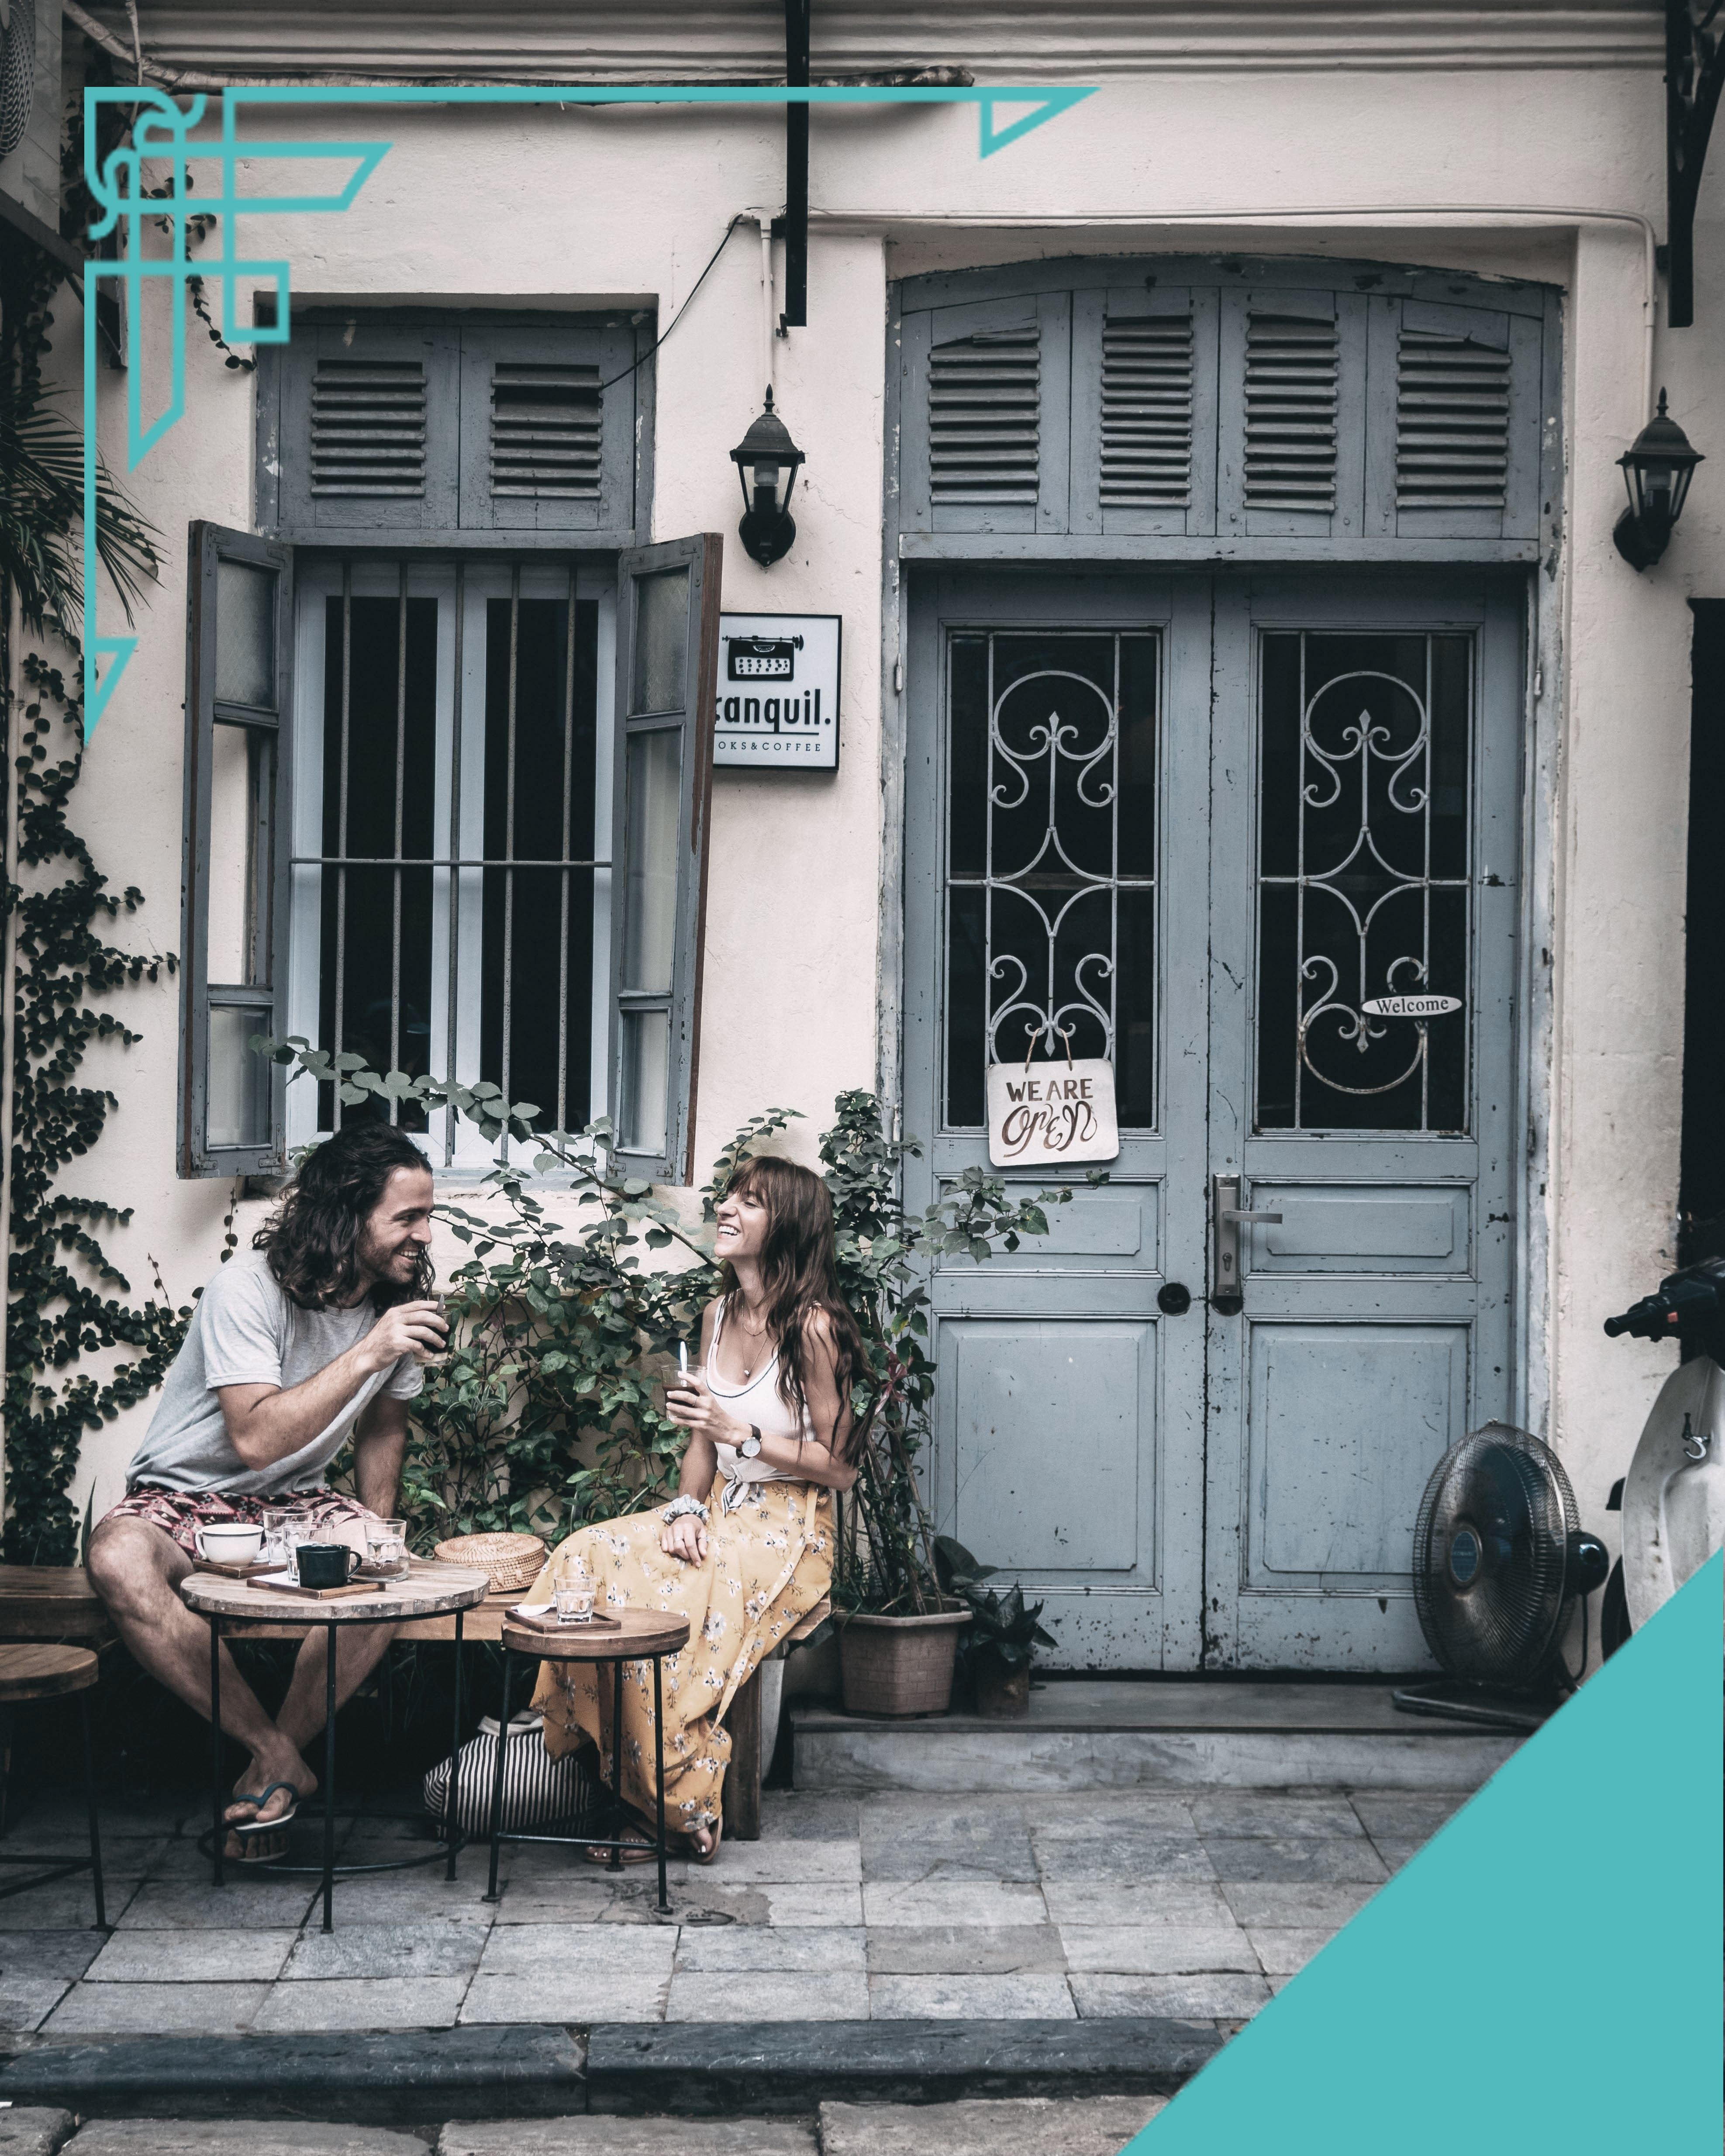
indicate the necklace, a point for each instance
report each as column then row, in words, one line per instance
column 750, row 1332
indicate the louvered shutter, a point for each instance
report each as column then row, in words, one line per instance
column 1456, row 421
column 1292, row 387
column 1144, row 410
column 985, row 416
column 545, row 445
column 368, row 428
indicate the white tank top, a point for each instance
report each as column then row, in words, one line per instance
column 758, row 1403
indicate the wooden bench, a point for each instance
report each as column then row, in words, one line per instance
column 52, row 1602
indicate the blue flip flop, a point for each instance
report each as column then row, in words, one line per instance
column 242, row 1828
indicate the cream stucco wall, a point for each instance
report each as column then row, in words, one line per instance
column 1479, row 169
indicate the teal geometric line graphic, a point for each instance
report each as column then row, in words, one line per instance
column 1543, row 1975
column 164, row 133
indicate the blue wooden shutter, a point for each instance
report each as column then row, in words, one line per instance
column 1454, row 422
column 233, row 927
column 986, row 416
column 545, row 445
column 667, row 682
column 1144, row 410
column 370, row 420
column 1291, row 448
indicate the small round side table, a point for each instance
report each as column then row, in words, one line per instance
column 639, row 1635
column 29, row 1673
column 429, row 1590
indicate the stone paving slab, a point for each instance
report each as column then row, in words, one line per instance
column 36, row 1955
column 956, row 1949
column 1027, row 2126
column 210, row 2136
column 1036, row 1997
column 33, row 2131
column 632, row 2137
column 769, row 1995
column 199, row 1957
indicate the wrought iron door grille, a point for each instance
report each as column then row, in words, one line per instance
column 1147, row 412
column 514, row 915
column 1292, row 374
column 368, row 427
column 984, row 411
column 545, row 431
column 1451, row 424
column 1364, row 881
column 1051, row 850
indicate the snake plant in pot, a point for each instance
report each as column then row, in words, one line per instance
column 1003, row 1636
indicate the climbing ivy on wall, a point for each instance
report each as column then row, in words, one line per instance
column 65, row 1300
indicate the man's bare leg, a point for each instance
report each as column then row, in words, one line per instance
column 136, row 1568
column 359, row 1648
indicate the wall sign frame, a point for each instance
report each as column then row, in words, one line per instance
column 776, row 702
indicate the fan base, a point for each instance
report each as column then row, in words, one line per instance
column 1453, row 1699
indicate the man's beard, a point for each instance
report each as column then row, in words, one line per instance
column 379, row 1260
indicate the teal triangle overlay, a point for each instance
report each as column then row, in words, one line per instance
column 1053, row 103
column 1544, row 1974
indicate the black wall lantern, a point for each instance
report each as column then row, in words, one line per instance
column 1657, row 467
column 766, row 461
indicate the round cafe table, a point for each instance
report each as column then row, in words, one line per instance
column 428, row 1590
column 633, row 1635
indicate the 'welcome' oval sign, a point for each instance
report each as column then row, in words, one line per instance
column 1410, row 1006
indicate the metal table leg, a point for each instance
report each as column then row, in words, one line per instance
column 455, row 1759
column 497, row 1781
column 616, row 1862
column 659, row 1757
column 89, row 1798
column 329, row 1785
column 216, row 1806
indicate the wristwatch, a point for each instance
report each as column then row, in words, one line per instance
column 751, row 1444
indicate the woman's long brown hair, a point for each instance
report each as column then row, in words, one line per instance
column 800, row 1275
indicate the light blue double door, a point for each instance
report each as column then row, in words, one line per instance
column 1201, row 824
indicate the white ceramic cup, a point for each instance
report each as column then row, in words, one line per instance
column 237, row 1544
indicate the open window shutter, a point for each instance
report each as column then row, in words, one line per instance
column 239, row 660
column 667, row 680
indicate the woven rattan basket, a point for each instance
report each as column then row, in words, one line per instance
column 513, row 1561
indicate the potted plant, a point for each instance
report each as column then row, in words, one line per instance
column 1001, row 1641
column 898, row 1623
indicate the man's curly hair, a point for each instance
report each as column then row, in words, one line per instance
column 312, row 1241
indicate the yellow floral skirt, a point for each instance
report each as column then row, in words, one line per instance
column 769, row 1563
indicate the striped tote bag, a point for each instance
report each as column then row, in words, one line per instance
column 540, row 1794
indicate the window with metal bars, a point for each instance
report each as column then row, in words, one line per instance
column 490, row 829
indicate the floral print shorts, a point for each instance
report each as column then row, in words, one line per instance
column 182, row 1512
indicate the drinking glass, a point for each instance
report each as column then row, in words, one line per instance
column 387, row 1547
column 573, row 1595
column 276, row 1549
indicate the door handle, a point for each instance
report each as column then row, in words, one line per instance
column 1227, row 1213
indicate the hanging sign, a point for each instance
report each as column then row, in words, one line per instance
column 1410, row 1006
column 1042, row 1114
column 777, row 703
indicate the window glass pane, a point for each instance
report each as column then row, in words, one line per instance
column 1365, row 779
column 245, row 634
column 378, row 789
column 537, row 991
column 661, row 642
column 239, row 1077
column 646, row 1076
column 651, row 922
column 242, row 767
column 1051, row 822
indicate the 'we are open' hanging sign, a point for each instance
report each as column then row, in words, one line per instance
column 1059, row 1110
column 777, row 705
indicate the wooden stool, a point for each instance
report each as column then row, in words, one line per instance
column 750, row 1744
column 638, row 1635
column 31, row 1673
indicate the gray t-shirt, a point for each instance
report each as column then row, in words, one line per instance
column 246, row 1330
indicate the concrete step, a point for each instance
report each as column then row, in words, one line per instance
column 1095, row 1734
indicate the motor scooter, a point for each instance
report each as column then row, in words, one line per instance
column 1672, row 1499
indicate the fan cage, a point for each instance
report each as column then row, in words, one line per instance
column 1505, row 1626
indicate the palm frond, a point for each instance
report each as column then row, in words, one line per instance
column 41, row 519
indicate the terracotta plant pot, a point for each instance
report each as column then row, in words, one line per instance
column 899, row 1665
column 1000, row 1691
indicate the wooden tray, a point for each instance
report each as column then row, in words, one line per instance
column 548, row 1622
column 278, row 1586
column 237, row 1571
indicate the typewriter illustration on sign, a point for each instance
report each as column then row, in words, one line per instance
column 761, row 657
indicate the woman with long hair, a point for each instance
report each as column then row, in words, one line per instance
column 745, row 1549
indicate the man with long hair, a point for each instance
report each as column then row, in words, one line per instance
column 315, row 1338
